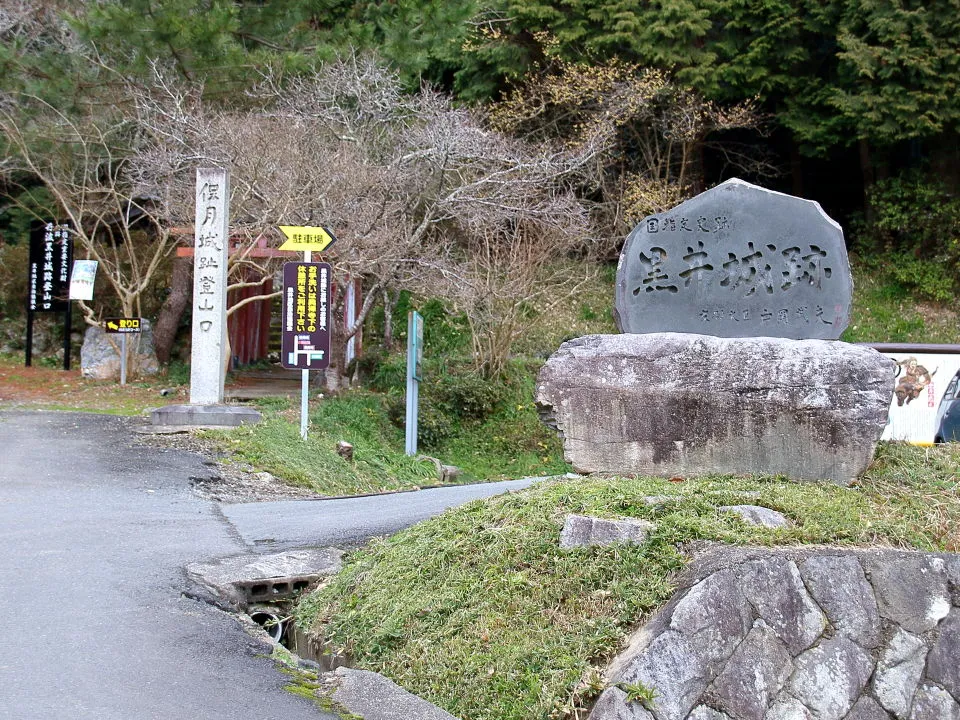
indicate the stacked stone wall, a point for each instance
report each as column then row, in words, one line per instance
column 805, row 634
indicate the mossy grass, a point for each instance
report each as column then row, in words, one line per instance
column 306, row 684
column 505, row 440
column 479, row 611
column 379, row 463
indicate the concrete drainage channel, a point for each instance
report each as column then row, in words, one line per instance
column 269, row 602
column 270, row 605
column 265, row 588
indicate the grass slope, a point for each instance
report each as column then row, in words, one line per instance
column 511, row 442
column 885, row 312
column 379, row 463
column 480, row 612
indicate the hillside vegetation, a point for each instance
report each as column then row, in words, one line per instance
column 489, row 427
column 482, row 163
column 479, row 610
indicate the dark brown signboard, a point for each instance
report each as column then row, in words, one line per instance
column 122, row 325
column 305, row 337
column 49, row 272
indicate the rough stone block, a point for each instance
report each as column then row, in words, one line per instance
column 756, row 515
column 100, row 353
column 953, row 578
column 838, row 585
column 898, row 672
column 613, row 705
column 943, row 665
column 703, row 712
column 830, row 677
column 204, row 416
column 867, row 709
column 677, row 404
column 586, row 531
column 676, row 669
column 753, row 675
column 788, row 708
column 714, row 616
column 911, row 588
column 775, row 588
column 375, row 697
column 708, row 657
column 933, row 703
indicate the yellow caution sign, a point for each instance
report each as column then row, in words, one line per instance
column 122, row 325
column 301, row 239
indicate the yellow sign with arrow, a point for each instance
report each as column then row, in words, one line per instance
column 122, row 325
column 302, row 239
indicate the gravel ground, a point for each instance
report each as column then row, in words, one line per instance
column 227, row 481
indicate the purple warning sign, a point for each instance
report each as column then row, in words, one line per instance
column 305, row 340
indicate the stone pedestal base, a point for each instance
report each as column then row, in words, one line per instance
column 675, row 404
column 204, row 415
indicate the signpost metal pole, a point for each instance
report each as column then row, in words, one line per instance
column 305, row 381
column 123, row 326
column 414, row 358
column 123, row 359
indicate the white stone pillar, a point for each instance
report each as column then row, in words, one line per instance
column 211, row 246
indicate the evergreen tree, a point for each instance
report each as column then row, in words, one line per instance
column 898, row 68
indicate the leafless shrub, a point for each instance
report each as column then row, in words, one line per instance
column 654, row 131
column 421, row 194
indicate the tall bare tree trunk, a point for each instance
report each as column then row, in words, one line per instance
column 388, row 302
column 168, row 319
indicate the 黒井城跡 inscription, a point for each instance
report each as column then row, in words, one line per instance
column 736, row 261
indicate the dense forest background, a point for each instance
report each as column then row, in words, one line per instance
column 855, row 90
column 853, row 103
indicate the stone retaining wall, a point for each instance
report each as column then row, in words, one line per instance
column 801, row 634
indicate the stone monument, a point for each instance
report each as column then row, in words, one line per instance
column 211, row 244
column 736, row 261
column 209, row 332
column 730, row 305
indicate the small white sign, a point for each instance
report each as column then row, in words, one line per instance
column 82, row 278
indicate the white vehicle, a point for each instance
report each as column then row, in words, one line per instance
column 948, row 414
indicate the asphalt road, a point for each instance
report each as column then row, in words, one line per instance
column 94, row 535
column 281, row 525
